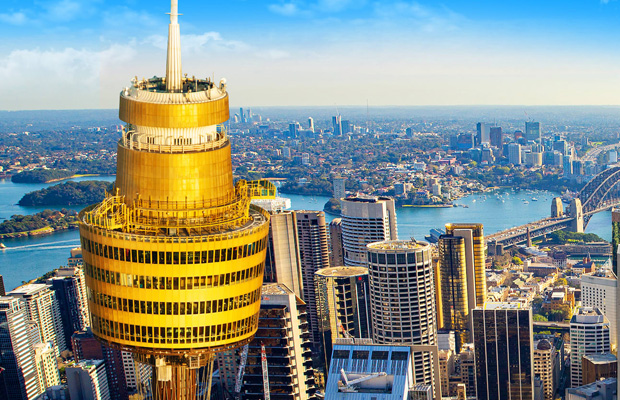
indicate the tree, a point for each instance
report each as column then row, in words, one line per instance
column 539, row 318
column 517, row 261
column 560, row 282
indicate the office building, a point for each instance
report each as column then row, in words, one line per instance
column 589, row 334
column 42, row 308
column 2, row 289
column 343, row 305
column 339, row 188
column 547, row 366
column 337, row 125
column 483, row 133
column 175, row 204
column 366, row 220
column 71, row 295
column 311, row 124
column 314, row 255
column 467, row 364
column 615, row 238
column 283, row 330
column 19, row 379
column 595, row 367
column 402, row 299
column 45, row 361
column 514, row 154
column 86, row 380
column 87, row 347
column 336, row 249
column 601, row 390
column 598, row 290
column 282, row 263
column 137, row 375
column 446, row 369
column 503, row 344
column 532, row 131
column 76, row 258
column 496, row 137
column 371, row 371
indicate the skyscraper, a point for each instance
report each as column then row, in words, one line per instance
column 337, row 125
column 339, row 188
column 483, row 133
column 615, row 238
column 532, row 131
column 589, row 334
column 311, row 124
column 18, row 379
column 547, row 366
column 74, row 315
column 402, row 299
column 343, row 304
column 514, row 154
column 87, row 380
column 42, row 307
column 314, row 255
column 366, row 220
column 496, row 138
column 599, row 290
column 45, row 361
column 503, row 345
column 282, row 264
column 336, row 253
column 174, row 258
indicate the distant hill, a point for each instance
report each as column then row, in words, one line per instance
column 40, row 175
column 68, row 194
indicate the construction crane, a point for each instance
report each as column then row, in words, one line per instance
column 351, row 386
column 239, row 380
column 263, row 360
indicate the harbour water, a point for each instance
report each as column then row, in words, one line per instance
column 29, row 258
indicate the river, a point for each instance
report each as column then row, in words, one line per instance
column 29, row 258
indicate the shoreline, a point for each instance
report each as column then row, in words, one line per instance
column 47, row 230
column 72, row 177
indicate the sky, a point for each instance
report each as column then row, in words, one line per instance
column 79, row 54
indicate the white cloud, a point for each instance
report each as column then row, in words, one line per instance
column 286, row 9
column 422, row 17
column 16, row 18
column 198, row 43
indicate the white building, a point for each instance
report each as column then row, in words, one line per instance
column 514, row 153
column 598, row 290
column 87, row 380
column 42, row 308
column 365, row 220
column 546, row 366
column 47, row 369
column 339, row 188
column 589, row 334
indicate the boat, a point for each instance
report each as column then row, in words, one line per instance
column 526, row 202
column 2, row 246
column 534, row 199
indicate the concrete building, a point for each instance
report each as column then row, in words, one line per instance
column 87, row 380
column 69, row 287
column 601, row 390
column 343, row 305
column 339, row 188
column 598, row 290
column 366, row 220
column 483, row 133
column 402, row 299
column 533, row 132
column 336, row 253
column 282, row 263
column 314, row 255
column 503, row 343
column 446, row 369
column 42, row 307
column 595, row 367
column 514, row 154
column 371, row 371
column 547, row 366
column 47, row 369
column 19, row 379
column 615, row 238
column 589, row 334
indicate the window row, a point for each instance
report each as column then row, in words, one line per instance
column 170, row 335
column 173, row 283
column 174, row 308
column 392, row 258
column 173, row 257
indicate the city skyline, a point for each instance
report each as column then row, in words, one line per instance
column 323, row 52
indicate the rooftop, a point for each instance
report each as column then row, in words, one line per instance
column 602, row 358
column 398, row 245
column 342, row 271
column 502, row 306
column 276, row 289
column 29, row 289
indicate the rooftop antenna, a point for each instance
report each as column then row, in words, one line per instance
column 173, row 61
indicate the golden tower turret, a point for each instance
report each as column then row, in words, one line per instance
column 174, row 258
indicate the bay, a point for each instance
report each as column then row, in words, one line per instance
column 29, row 258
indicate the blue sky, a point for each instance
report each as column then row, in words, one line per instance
column 81, row 53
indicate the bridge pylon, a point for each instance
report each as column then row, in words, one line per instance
column 575, row 210
column 557, row 208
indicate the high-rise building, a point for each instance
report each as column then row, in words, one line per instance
column 483, row 133
column 337, row 125
column 343, row 305
column 339, row 188
column 2, row 289
column 589, row 334
column 86, row 380
column 311, row 124
column 284, row 332
column 446, row 369
column 293, row 130
column 496, row 138
column 42, row 308
column 71, row 295
column 547, row 366
column 336, row 249
column 599, row 290
column 365, row 220
column 402, row 299
column 282, row 264
column 19, row 379
column 532, row 131
column 514, row 153
column 467, row 364
column 47, row 369
column 314, row 255
column 174, row 259
column 595, row 367
column 503, row 343
column 87, row 347
column 615, row 238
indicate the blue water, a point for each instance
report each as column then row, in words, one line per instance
column 29, row 258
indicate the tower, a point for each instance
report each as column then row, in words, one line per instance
column 174, row 257
column 589, row 334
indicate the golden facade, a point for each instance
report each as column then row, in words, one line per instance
column 174, row 257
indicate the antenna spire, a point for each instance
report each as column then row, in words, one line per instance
column 173, row 62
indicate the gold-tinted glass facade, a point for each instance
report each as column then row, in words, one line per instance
column 453, row 282
column 479, row 249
